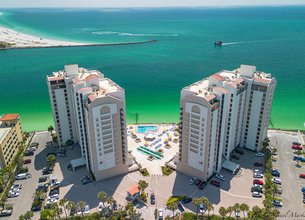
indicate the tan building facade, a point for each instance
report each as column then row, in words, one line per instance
column 227, row 110
column 90, row 110
column 10, row 138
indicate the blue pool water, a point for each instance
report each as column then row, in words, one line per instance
column 144, row 128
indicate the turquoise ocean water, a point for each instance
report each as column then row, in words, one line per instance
column 272, row 38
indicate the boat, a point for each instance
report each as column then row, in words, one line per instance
column 218, row 44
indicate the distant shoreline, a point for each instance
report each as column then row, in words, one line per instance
column 81, row 45
column 14, row 40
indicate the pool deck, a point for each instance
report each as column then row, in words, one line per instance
column 163, row 132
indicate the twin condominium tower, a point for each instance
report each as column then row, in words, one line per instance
column 217, row 114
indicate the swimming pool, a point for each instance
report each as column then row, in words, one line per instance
column 144, row 128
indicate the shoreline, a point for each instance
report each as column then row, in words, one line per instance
column 14, row 40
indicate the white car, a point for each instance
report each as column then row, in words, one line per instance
column 87, row 209
column 220, row 177
column 14, row 189
column 100, row 206
column 259, row 154
column 13, row 194
column 201, row 208
column 277, row 203
column 276, row 180
column 258, row 175
column 54, row 196
column 257, row 185
column 193, row 180
column 160, row 213
column 257, row 194
column 257, row 171
column 52, row 200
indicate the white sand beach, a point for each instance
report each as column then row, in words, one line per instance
column 20, row 40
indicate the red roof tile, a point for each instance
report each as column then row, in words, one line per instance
column 9, row 117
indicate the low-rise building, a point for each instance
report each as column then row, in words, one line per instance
column 10, row 138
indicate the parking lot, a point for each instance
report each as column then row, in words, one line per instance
column 291, row 183
column 23, row 202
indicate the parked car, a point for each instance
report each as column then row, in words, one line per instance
column 259, row 182
column 100, row 206
column 201, row 208
column 259, row 154
column 42, row 188
column 14, row 189
column 36, row 208
column 160, row 214
column 215, row 183
column 114, row 205
column 62, row 155
column 257, row 194
column 277, row 203
column 72, row 211
column 258, row 175
column 19, row 186
column 193, row 180
column 297, row 147
column 275, row 172
column 302, row 175
column 239, row 151
column 197, row 182
column 87, row 180
column 27, row 161
column 256, row 171
column 202, row 185
column 22, row 176
column 235, row 157
column 12, row 194
column 220, row 177
column 187, row 200
column 256, row 189
column 303, row 189
column 152, row 199
column 257, row 164
column 34, row 144
column 6, row 212
column 276, row 180
column 42, row 179
column 296, row 143
column 29, row 153
column 137, row 140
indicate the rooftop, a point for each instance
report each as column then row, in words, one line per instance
column 9, row 117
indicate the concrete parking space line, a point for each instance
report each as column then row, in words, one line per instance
column 239, row 196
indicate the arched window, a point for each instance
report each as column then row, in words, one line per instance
column 196, row 109
column 105, row 110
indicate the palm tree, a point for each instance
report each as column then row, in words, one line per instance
column 142, row 185
column 102, row 196
column 46, row 214
column 210, row 208
column 196, row 202
column 28, row 215
column 205, row 202
column 236, row 207
column 56, row 210
column 244, row 208
column 230, row 210
column 50, row 129
column 257, row 212
column 173, row 207
column 81, row 205
column 222, row 211
column 70, row 205
column 63, row 202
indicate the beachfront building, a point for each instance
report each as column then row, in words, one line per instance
column 10, row 138
column 228, row 109
column 90, row 109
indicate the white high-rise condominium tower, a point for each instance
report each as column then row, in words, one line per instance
column 226, row 110
column 90, row 110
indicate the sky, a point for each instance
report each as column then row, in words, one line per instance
column 141, row 3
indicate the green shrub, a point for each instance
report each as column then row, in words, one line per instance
column 144, row 172
column 166, row 170
column 174, row 199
